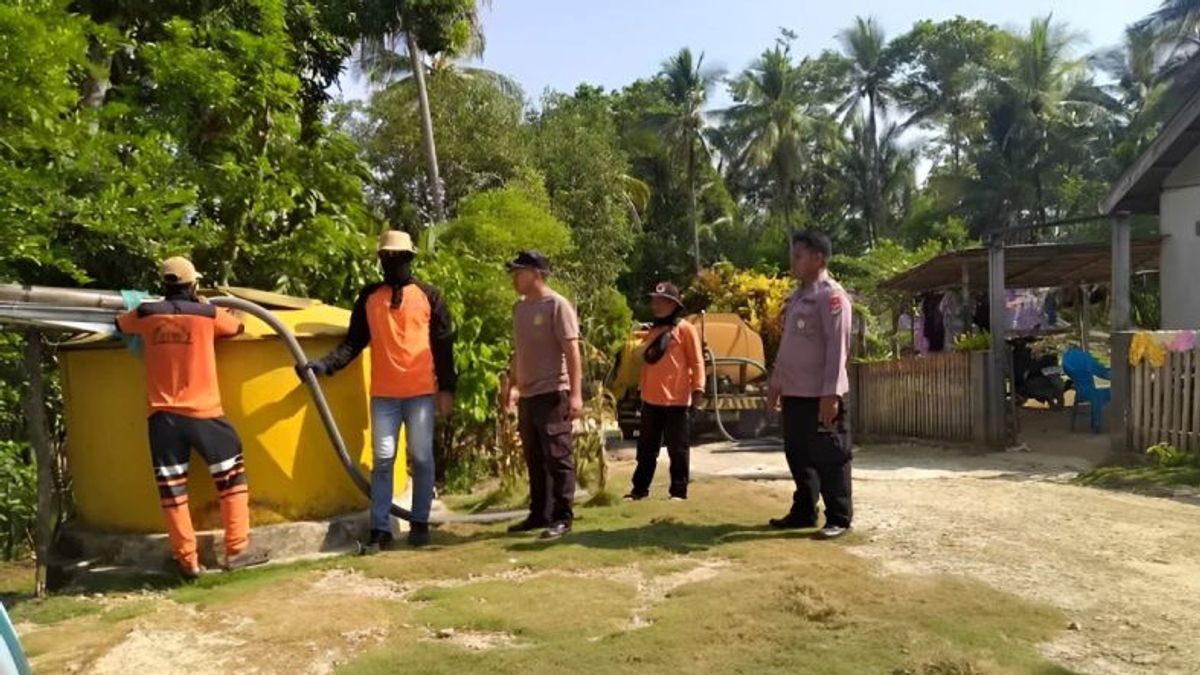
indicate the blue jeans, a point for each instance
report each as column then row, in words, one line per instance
column 417, row 417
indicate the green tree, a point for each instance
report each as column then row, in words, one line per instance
column 439, row 28
column 688, row 86
column 768, row 123
column 942, row 68
column 873, row 92
column 482, row 143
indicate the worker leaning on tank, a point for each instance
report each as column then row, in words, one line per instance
column 810, row 379
column 185, row 413
column 672, row 386
column 407, row 325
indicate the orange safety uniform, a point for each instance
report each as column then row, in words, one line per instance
column 185, row 413
column 411, row 337
column 672, row 379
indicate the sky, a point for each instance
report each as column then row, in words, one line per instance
column 558, row 44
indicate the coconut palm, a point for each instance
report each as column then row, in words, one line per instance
column 768, row 125
column 1041, row 85
column 874, row 93
column 689, row 84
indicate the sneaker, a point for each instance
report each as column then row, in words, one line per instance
column 418, row 536
column 557, row 530
column 633, row 497
column 676, row 498
column 832, row 532
column 792, row 522
column 248, row 558
column 527, row 525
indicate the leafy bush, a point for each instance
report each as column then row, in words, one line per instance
column 973, row 342
column 498, row 223
column 756, row 297
column 1167, row 455
column 18, row 498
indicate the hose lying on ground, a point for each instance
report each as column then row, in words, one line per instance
column 331, row 428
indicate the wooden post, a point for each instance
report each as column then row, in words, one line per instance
column 1119, row 322
column 38, row 429
column 1085, row 321
column 979, row 397
column 997, row 364
column 966, row 297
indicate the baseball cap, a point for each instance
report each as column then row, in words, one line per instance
column 530, row 260
column 396, row 241
column 667, row 290
column 179, row 270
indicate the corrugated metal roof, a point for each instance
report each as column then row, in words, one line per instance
column 1032, row 266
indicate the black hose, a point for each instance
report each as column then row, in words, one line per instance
column 331, row 428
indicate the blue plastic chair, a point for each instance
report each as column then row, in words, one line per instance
column 12, row 658
column 1083, row 369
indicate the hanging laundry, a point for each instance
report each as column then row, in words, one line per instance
column 1144, row 346
column 952, row 317
column 1184, row 341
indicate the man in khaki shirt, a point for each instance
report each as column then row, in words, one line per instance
column 546, row 377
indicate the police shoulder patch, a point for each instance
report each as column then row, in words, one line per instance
column 835, row 303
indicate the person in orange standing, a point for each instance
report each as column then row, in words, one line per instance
column 672, row 386
column 178, row 335
column 407, row 325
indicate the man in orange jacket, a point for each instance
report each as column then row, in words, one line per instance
column 672, row 384
column 407, row 325
column 185, row 412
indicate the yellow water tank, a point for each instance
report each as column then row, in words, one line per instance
column 292, row 470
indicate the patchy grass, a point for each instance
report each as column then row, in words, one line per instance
column 54, row 609
column 222, row 587
column 783, row 604
column 128, row 611
column 1145, row 478
column 16, row 579
column 655, row 586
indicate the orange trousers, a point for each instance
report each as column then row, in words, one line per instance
column 172, row 438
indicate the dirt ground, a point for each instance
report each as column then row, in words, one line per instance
column 1124, row 568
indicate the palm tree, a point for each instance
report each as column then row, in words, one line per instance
column 872, row 92
column 689, row 84
column 891, row 164
column 1042, row 85
column 768, row 125
column 385, row 34
column 1175, row 30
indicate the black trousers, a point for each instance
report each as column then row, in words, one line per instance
column 671, row 424
column 172, row 438
column 819, row 459
column 544, row 423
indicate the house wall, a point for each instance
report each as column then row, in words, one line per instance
column 1180, row 224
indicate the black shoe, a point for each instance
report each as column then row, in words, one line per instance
column 380, row 540
column 557, row 530
column 527, row 525
column 418, row 535
column 792, row 522
column 634, row 497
